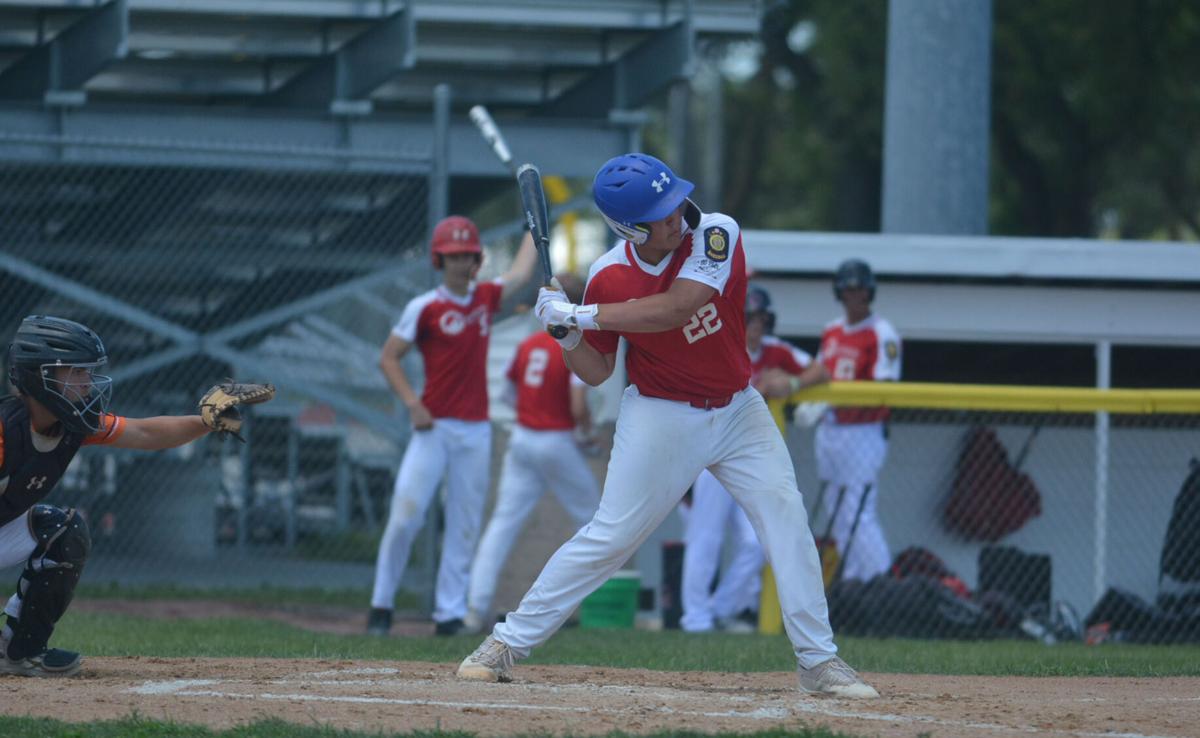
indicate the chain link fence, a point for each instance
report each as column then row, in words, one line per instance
column 1047, row 526
column 279, row 265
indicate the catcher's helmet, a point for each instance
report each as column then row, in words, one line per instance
column 44, row 343
column 635, row 189
column 455, row 235
column 758, row 302
column 854, row 274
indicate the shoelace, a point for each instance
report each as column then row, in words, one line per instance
column 494, row 653
column 840, row 668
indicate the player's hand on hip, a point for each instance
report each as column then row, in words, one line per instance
column 420, row 416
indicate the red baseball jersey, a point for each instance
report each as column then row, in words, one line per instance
column 778, row 354
column 706, row 358
column 543, row 383
column 866, row 351
column 451, row 333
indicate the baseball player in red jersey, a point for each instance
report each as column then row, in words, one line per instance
column 452, row 437
column 851, row 442
column 676, row 291
column 543, row 451
column 61, row 405
column 713, row 510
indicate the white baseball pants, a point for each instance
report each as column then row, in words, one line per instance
column 659, row 449
column 534, row 461
column 713, row 513
column 850, row 457
column 16, row 544
column 459, row 451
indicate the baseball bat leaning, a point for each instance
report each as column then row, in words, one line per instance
column 483, row 121
column 533, row 200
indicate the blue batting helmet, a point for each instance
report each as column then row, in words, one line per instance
column 635, row 189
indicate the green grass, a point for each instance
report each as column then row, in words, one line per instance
column 101, row 634
column 258, row 596
column 136, row 727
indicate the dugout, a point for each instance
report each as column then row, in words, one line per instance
column 1024, row 312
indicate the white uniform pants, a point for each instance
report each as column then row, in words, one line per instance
column 659, row 449
column 713, row 513
column 849, row 457
column 16, row 544
column 534, row 461
column 460, row 452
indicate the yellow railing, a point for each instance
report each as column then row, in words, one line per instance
column 1002, row 397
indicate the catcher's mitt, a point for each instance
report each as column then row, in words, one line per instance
column 219, row 406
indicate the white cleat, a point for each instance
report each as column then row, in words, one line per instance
column 836, row 679
column 491, row 662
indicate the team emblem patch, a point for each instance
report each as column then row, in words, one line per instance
column 892, row 350
column 716, row 243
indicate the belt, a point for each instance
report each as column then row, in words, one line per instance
column 711, row 403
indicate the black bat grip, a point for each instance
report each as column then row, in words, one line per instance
column 558, row 331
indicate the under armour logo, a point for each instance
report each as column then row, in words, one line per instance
column 657, row 184
column 35, row 483
column 460, row 234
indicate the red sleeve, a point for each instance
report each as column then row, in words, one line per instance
column 111, row 428
column 603, row 341
column 790, row 364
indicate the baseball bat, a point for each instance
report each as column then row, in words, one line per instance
column 533, row 200
column 487, row 127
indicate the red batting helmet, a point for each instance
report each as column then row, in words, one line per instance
column 455, row 235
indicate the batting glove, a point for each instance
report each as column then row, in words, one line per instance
column 571, row 340
column 551, row 309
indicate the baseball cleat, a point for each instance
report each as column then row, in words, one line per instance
column 379, row 621
column 491, row 662
column 53, row 662
column 835, row 678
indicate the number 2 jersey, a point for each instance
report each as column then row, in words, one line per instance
column 543, row 384
column 706, row 358
column 868, row 350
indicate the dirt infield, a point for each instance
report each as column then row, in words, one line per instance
column 400, row 696
column 577, row 700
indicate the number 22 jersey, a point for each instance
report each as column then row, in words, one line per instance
column 706, row 358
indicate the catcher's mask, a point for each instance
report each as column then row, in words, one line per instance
column 455, row 235
column 54, row 360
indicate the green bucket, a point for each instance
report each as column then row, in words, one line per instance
column 614, row 604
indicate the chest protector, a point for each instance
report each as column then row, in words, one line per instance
column 27, row 475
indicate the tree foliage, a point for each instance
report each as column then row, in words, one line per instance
column 1095, row 113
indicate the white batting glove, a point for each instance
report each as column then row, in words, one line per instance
column 571, row 340
column 552, row 310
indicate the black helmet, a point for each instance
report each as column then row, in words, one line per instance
column 758, row 300
column 854, row 274
column 43, row 343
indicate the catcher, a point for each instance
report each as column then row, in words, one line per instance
column 60, row 405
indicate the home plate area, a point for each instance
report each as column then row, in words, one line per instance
column 577, row 700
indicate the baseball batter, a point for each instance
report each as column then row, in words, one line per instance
column 851, row 442
column 543, row 452
column 676, row 291
column 61, row 405
column 772, row 363
column 452, row 437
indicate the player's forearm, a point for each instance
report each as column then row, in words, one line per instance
column 398, row 381
column 661, row 312
column 161, row 432
column 521, row 271
column 589, row 364
column 814, row 374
